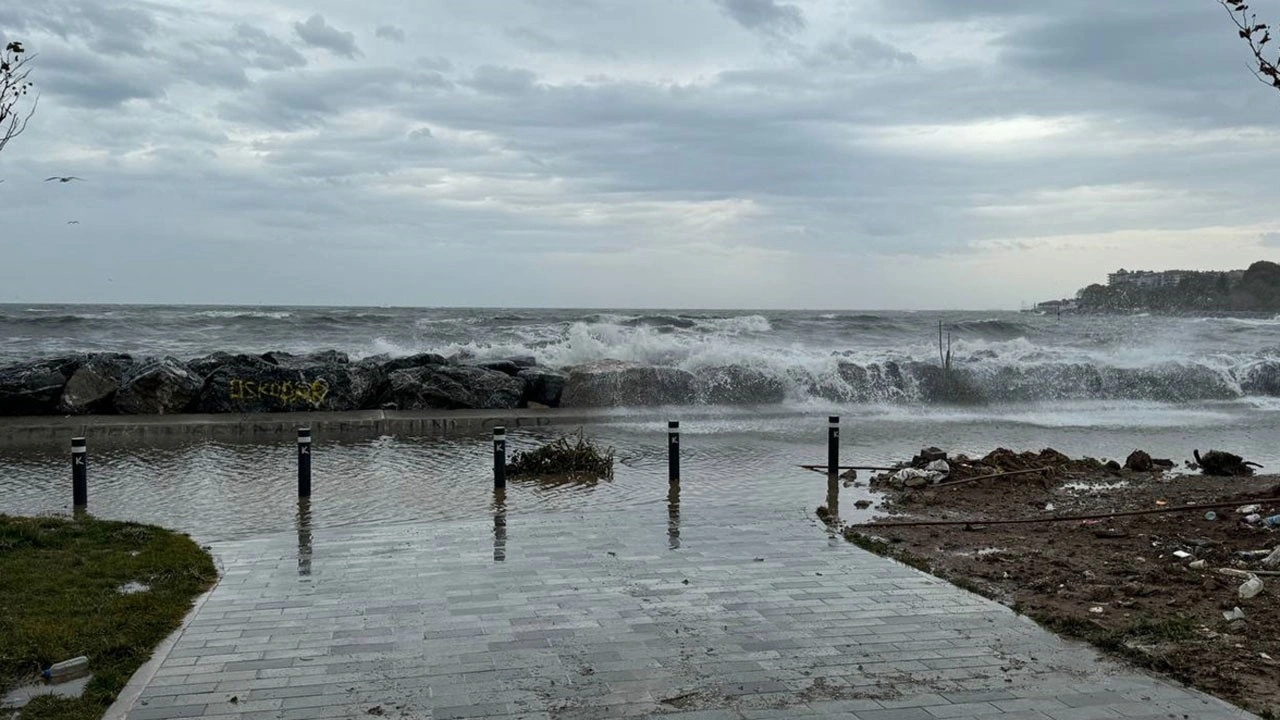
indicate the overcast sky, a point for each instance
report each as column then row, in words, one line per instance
column 616, row 153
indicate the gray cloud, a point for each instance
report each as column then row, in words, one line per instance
column 389, row 32
column 502, row 80
column 317, row 33
column 577, row 145
column 767, row 16
column 862, row 51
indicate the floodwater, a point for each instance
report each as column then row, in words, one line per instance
column 217, row 490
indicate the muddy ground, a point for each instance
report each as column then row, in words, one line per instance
column 1115, row 582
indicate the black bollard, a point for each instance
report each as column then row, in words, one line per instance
column 833, row 445
column 673, row 451
column 304, row 462
column 499, row 458
column 79, row 473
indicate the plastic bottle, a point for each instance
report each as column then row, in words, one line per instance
column 1211, row 516
column 1271, row 522
column 74, row 666
column 1250, row 588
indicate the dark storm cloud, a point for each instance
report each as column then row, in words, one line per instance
column 319, row 34
column 768, row 16
column 389, row 32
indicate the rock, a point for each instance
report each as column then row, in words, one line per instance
column 452, row 387
column 204, row 366
column 413, row 361
column 1216, row 462
column 34, row 388
column 251, row 386
column 916, row 481
column 612, row 383
column 505, row 367
column 92, row 387
column 928, row 455
column 321, row 357
column 1112, row 465
column 542, row 386
column 737, row 385
column 158, row 387
column 523, row 361
column 1139, row 461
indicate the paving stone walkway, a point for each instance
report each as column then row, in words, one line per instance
column 704, row 614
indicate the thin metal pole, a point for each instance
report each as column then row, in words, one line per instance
column 833, row 445
column 499, row 458
column 673, row 451
column 304, row 462
column 79, row 473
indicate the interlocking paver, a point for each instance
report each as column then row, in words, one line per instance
column 592, row 615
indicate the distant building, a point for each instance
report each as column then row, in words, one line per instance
column 1057, row 306
column 1166, row 278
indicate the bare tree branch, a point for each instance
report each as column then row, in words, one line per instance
column 1258, row 35
column 15, row 84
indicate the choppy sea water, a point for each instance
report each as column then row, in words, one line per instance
column 1165, row 384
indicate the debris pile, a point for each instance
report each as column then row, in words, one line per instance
column 574, row 457
column 1175, row 571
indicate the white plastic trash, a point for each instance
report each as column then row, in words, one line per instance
column 67, row 667
column 1250, row 588
column 939, row 466
column 1273, row 559
column 1233, row 614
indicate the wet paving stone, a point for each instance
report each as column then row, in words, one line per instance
column 597, row 615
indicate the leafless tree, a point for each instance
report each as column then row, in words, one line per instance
column 15, row 70
column 1257, row 34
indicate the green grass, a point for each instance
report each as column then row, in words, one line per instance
column 58, row 600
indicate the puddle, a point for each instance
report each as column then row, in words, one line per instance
column 132, row 588
column 19, row 697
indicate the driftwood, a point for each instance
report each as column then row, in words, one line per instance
column 564, row 458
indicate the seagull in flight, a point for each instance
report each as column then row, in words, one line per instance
column 63, row 178
column 73, row 222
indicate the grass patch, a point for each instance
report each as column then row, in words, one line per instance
column 59, row 599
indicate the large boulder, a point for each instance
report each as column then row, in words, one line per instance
column 204, row 366
column 737, row 385
column 412, row 361
column 543, row 386
column 451, row 387
column 613, row 383
column 92, row 387
column 158, row 387
column 252, row 386
column 505, row 367
column 320, row 357
column 34, row 388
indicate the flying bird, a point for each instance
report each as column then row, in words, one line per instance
column 73, row 222
column 63, row 178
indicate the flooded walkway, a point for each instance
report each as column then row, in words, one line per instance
column 691, row 612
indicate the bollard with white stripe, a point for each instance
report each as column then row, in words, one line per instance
column 304, row 462
column 79, row 473
column 499, row 458
column 833, row 445
column 673, row 451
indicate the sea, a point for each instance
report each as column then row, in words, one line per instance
column 1095, row 385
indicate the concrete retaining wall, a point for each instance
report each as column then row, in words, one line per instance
column 41, row 431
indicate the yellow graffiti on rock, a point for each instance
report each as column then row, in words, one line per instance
column 287, row 391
